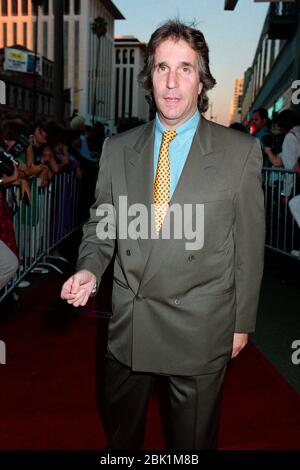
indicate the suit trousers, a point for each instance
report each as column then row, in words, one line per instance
column 195, row 404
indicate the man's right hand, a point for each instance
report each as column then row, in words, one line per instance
column 77, row 289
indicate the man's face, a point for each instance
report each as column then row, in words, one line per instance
column 258, row 122
column 176, row 83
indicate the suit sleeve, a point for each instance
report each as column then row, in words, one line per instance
column 249, row 235
column 98, row 242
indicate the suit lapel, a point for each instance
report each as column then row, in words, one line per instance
column 139, row 176
column 190, row 178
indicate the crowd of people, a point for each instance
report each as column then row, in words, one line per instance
column 280, row 144
column 31, row 153
column 45, row 148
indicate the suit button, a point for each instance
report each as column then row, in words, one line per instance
column 128, row 252
column 191, row 258
column 177, row 301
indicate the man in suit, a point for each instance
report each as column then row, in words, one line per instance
column 181, row 309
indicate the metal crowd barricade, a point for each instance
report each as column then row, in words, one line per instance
column 53, row 215
column 41, row 225
column 282, row 231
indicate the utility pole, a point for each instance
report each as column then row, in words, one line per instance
column 58, row 69
column 36, row 4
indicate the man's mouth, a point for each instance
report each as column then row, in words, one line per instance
column 171, row 99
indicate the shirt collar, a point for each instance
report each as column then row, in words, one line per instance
column 188, row 126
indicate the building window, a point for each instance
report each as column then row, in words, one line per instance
column 25, row 7
column 131, row 56
column 269, row 42
column 76, row 7
column 66, row 7
column 43, row 104
column 15, row 103
column 23, row 98
column 4, row 7
column 4, row 34
column 7, row 95
column 45, row 7
column 34, row 31
column 25, row 34
column 265, row 58
column 118, row 56
column 14, row 7
column 124, row 56
column 262, row 64
column 15, row 39
column 117, row 95
column 66, row 55
column 45, row 39
column 130, row 91
column 124, row 93
column 277, row 47
column 76, row 59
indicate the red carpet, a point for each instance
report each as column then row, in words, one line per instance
column 48, row 396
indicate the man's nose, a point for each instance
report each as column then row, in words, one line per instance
column 172, row 80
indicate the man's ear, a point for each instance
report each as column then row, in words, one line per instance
column 200, row 88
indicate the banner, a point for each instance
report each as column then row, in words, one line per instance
column 22, row 61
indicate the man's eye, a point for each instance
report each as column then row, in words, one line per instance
column 185, row 69
column 162, row 67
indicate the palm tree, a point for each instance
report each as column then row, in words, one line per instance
column 99, row 28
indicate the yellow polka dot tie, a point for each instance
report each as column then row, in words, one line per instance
column 162, row 180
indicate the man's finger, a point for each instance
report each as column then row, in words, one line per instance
column 79, row 297
column 86, row 298
column 75, row 285
column 78, row 300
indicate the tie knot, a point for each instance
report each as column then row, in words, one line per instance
column 168, row 136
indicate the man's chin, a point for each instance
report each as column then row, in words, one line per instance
column 171, row 116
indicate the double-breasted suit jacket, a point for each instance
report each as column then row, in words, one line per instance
column 175, row 309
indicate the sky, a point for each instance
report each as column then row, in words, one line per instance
column 232, row 36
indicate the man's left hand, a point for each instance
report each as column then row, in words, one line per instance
column 239, row 342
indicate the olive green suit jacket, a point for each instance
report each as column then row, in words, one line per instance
column 175, row 309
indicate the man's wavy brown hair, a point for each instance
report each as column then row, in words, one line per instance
column 175, row 30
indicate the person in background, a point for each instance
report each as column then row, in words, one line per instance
column 37, row 143
column 96, row 139
column 289, row 124
column 89, row 167
column 78, row 123
column 262, row 124
column 238, row 126
column 10, row 132
column 9, row 264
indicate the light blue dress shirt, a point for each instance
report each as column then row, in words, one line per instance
column 179, row 147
